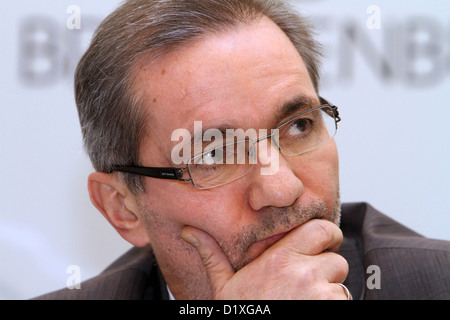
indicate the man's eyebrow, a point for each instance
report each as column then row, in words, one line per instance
column 222, row 129
column 296, row 105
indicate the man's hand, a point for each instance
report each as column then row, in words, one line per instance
column 301, row 265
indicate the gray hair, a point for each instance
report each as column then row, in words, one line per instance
column 112, row 118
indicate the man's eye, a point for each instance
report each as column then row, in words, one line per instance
column 299, row 127
column 213, row 156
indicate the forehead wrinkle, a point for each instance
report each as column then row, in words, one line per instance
column 211, row 101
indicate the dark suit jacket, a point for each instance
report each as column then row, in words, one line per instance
column 410, row 266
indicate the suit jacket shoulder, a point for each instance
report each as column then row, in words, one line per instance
column 133, row 276
column 410, row 265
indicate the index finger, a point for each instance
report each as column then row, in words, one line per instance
column 313, row 237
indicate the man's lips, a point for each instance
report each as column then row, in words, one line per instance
column 272, row 239
column 260, row 246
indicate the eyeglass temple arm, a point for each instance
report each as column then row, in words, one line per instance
column 333, row 107
column 161, row 173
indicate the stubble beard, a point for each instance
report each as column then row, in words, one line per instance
column 274, row 220
column 192, row 276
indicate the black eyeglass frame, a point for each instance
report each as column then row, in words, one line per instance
column 173, row 173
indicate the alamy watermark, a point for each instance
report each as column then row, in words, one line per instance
column 73, row 21
column 373, row 22
column 74, row 279
column 374, row 280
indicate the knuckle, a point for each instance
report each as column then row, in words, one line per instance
column 342, row 263
column 340, row 266
column 209, row 260
column 325, row 229
column 328, row 233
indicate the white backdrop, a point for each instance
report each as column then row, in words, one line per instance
column 387, row 67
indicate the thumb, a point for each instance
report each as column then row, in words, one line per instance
column 218, row 267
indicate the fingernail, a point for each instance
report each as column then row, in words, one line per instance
column 189, row 238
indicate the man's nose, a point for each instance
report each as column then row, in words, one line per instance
column 273, row 183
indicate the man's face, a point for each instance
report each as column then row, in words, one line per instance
column 239, row 78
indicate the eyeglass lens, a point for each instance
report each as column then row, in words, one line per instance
column 230, row 161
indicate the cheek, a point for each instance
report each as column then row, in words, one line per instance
column 319, row 172
column 216, row 211
column 167, row 212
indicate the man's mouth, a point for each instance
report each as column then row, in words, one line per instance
column 274, row 224
column 258, row 247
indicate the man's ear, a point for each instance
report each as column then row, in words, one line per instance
column 114, row 200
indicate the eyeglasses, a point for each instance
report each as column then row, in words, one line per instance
column 226, row 162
